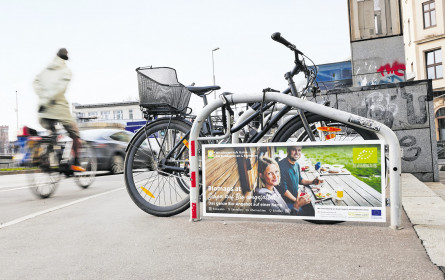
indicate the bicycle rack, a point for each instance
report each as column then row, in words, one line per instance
column 384, row 132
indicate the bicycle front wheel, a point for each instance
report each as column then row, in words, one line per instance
column 43, row 181
column 156, row 168
column 87, row 159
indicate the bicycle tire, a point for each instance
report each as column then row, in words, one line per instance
column 153, row 190
column 42, row 183
column 87, row 159
column 294, row 130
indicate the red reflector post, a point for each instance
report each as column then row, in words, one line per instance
column 192, row 146
column 193, row 179
column 194, row 212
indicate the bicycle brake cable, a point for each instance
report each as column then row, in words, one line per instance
column 262, row 102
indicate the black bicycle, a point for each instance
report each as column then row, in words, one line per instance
column 156, row 164
column 51, row 160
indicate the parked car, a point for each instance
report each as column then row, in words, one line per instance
column 109, row 146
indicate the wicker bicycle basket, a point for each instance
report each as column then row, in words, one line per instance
column 160, row 92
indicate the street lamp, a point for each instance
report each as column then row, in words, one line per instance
column 213, row 65
column 17, row 109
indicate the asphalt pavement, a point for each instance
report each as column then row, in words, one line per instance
column 98, row 233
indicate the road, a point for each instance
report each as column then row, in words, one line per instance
column 98, row 233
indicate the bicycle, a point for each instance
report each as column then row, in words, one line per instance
column 157, row 165
column 159, row 149
column 363, row 126
column 52, row 158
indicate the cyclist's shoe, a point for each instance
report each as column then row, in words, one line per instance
column 77, row 168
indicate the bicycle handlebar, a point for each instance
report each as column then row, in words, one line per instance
column 299, row 65
column 277, row 37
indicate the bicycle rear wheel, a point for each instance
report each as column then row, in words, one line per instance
column 324, row 129
column 157, row 180
column 87, row 159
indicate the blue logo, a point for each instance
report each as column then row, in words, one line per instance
column 376, row 212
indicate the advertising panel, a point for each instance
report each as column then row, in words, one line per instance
column 311, row 181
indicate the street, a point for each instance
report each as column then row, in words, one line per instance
column 99, row 233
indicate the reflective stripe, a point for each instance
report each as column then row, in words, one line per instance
column 192, row 144
column 193, row 179
column 194, row 212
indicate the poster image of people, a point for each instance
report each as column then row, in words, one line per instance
column 319, row 181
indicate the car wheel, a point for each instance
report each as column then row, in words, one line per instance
column 117, row 164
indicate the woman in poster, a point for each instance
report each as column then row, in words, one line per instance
column 266, row 199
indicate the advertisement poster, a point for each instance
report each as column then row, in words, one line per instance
column 318, row 181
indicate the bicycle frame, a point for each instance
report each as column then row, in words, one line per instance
column 388, row 136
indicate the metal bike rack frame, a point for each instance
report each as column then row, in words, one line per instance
column 384, row 132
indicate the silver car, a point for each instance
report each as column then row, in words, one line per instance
column 109, row 145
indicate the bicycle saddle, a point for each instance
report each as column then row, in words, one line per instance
column 202, row 90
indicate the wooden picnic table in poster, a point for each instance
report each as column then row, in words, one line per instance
column 355, row 192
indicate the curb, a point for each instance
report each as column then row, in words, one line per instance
column 428, row 222
column 18, row 172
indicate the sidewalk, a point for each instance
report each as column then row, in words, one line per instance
column 425, row 207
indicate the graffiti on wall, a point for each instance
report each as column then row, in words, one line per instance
column 384, row 74
column 411, row 152
column 378, row 106
column 398, row 109
column 383, row 107
column 395, row 69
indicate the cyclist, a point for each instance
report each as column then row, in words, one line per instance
column 50, row 86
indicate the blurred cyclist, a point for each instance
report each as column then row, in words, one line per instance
column 50, row 85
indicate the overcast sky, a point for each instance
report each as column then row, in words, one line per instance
column 107, row 40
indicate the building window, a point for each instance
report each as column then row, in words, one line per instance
column 105, row 115
column 429, row 14
column 118, row 114
column 440, row 116
column 434, row 68
column 374, row 19
column 130, row 113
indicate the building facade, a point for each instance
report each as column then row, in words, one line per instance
column 4, row 139
column 125, row 113
column 382, row 72
column 377, row 49
column 334, row 75
column 424, row 38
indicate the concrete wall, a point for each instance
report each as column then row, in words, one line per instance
column 407, row 108
column 378, row 61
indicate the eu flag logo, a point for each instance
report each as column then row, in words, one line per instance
column 376, row 212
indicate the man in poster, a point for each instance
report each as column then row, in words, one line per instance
column 291, row 178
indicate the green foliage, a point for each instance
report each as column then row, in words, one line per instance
column 16, row 169
column 343, row 155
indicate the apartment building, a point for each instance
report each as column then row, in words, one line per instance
column 424, row 38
